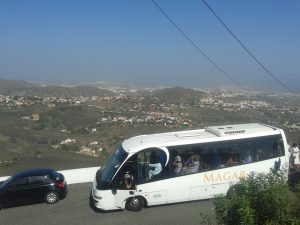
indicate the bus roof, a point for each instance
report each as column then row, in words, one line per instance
column 209, row 134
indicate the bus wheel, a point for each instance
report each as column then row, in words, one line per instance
column 135, row 204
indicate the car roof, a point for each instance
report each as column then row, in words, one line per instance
column 34, row 172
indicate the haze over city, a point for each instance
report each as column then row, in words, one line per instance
column 133, row 42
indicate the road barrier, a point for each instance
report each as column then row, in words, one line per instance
column 75, row 176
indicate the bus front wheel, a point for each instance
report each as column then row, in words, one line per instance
column 135, row 204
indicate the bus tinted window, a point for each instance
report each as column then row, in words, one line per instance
column 151, row 165
column 209, row 156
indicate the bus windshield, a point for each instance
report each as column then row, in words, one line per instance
column 105, row 174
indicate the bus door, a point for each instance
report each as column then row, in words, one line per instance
column 124, row 184
column 152, row 174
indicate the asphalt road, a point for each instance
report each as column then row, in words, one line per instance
column 75, row 209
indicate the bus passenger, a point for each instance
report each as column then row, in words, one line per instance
column 155, row 166
column 196, row 163
column 260, row 154
column 193, row 166
column 295, row 155
column 231, row 160
column 128, row 181
column 177, row 165
column 247, row 158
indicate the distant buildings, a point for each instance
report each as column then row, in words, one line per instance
column 133, row 109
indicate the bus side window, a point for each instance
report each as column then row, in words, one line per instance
column 216, row 158
column 280, row 147
column 246, row 151
column 264, row 150
column 277, row 148
column 155, row 165
column 142, row 161
column 151, row 165
column 175, row 164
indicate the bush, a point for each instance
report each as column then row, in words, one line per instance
column 261, row 199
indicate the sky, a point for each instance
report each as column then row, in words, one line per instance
column 132, row 42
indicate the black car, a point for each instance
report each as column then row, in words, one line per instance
column 31, row 186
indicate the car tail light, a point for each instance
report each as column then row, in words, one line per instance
column 60, row 185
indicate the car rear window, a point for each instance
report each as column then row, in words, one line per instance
column 57, row 177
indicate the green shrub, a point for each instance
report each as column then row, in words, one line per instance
column 260, row 198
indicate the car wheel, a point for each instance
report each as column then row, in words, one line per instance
column 51, row 197
column 134, row 204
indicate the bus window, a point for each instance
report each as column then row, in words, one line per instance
column 175, row 164
column 268, row 148
column 155, row 165
column 245, row 151
column 126, row 177
column 151, row 165
column 192, row 165
column 213, row 158
column 278, row 148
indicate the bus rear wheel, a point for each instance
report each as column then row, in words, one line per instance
column 134, row 204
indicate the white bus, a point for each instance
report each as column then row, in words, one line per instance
column 186, row 165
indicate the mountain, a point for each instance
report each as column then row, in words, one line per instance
column 12, row 86
column 174, row 95
column 20, row 87
column 111, row 85
column 178, row 95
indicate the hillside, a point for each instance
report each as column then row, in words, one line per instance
column 178, row 95
column 16, row 87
